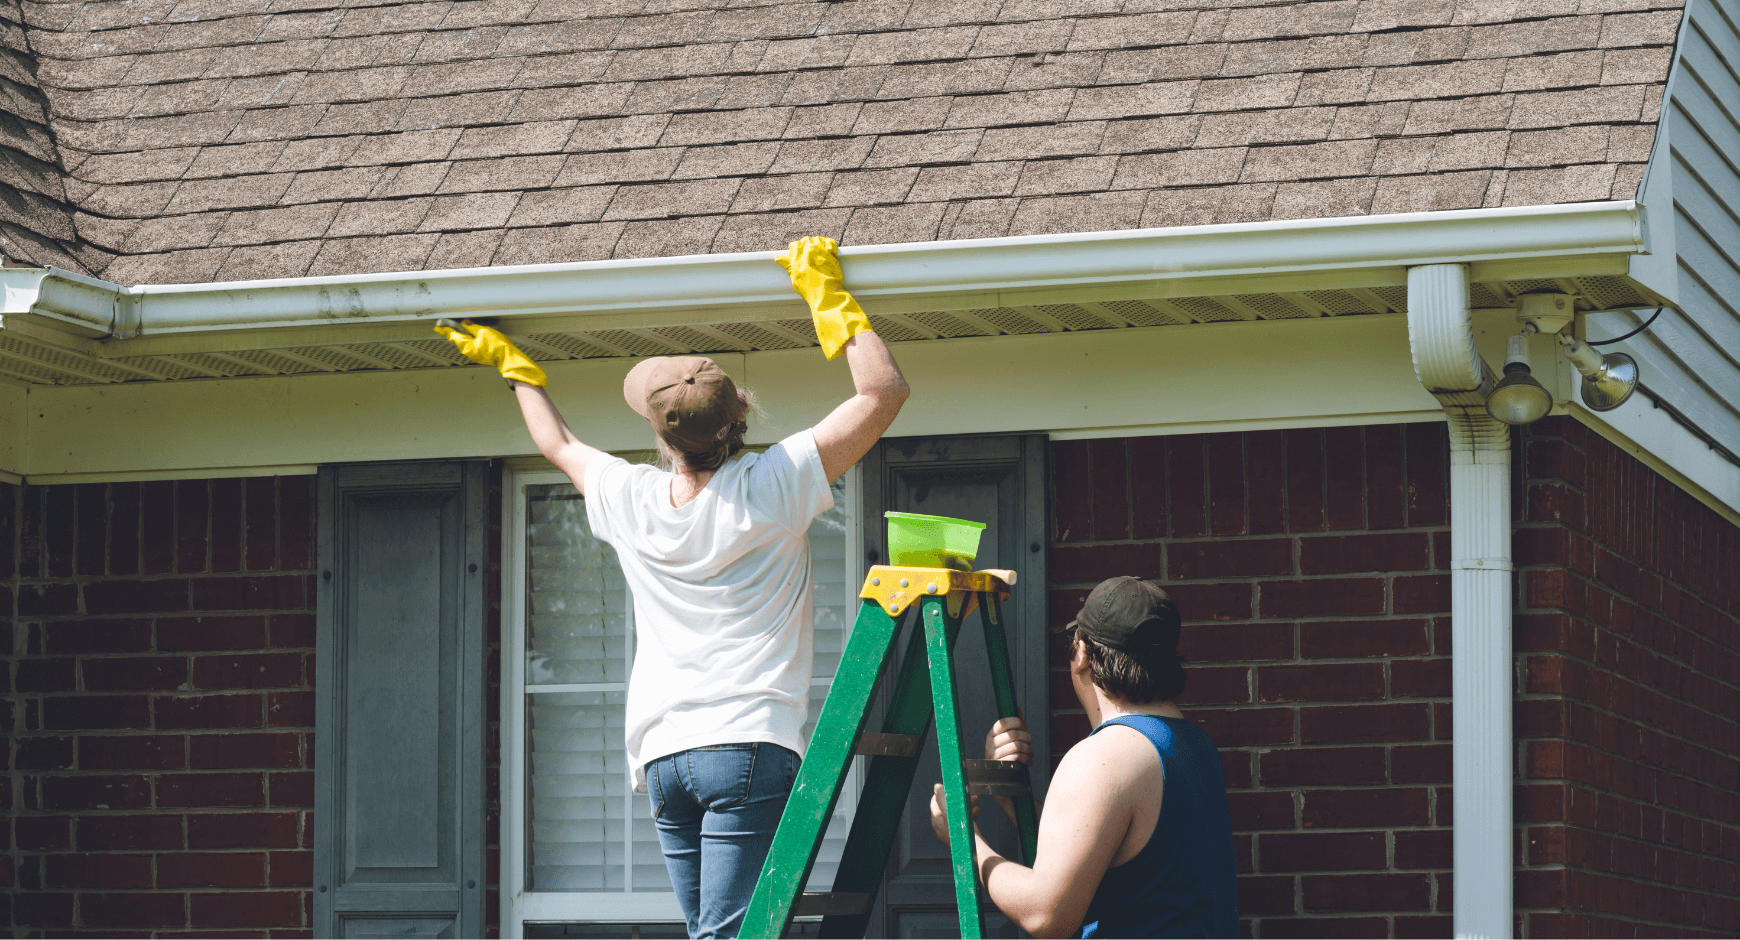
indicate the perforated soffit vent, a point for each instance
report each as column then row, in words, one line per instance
column 40, row 361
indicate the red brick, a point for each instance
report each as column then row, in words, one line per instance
column 226, row 525
column 1071, row 492
column 211, row 870
column 1245, row 727
column 295, row 522
column 1214, row 642
column 253, row 671
column 1216, row 685
column 1320, row 851
column 63, row 794
column 1363, row 892
column 1344, row 454
column 261, row 550
column 35, row 909
column 207, row 711
column 135, row 674
column 59, row 529
column 1359, row 724
column 156, row 596
column 1091, row 564
column 1230, row 558
column 132, row 752
column 1111, row 487
column 48, row 600
column 123, row 534
column 250, row 909
column 95, row 712
column 1385, row 478
column 1322, row 766
column 1348, row 639
column 192, row 790
column 43, row 753
column 1421, row 594
column 1428, row 458
column 292, row 869
column 98, row 871
column 1330, row 928
column 295, row 709
column 192, row 525
column 1148, row 500
column 241, row 831
column 1198, row 601
column 1237, row 767
column 1347, row 809
column 43, row 834
column 1266, row 809
column 1422, row 678
column 1226, row 484
column 136, row 910
column 93, row 528
column 1320, row 682
column 1325, row 597
column 223, row 751
column 297, row 789
column 47, row 675
column 1423, row 764
column 292, row 631
column 1343, row 554
column 265, row 592
column 1304, row 480
column 200, row 634
column 97, row 636
column 130, row 832
column 1187, row 485
column 156, row 527
column 1432, row 928
column 1423, row 849
column 1265, row 470
column 1258, row 896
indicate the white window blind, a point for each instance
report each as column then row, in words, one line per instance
column 587, row 832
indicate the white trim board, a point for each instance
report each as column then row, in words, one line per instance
column 1286, row 372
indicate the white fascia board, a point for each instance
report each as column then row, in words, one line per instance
column 973, row 272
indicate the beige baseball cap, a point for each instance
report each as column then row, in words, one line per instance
column 689, row 399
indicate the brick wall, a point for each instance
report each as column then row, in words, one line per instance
column 159, row 709
column 1310, row 566
column 1628, row 643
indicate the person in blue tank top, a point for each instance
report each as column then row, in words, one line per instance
column 1134, row 839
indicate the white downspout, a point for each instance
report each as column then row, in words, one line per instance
column 1445, row 359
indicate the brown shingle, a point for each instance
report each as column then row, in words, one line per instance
column 1431, row 193
column 890, row 117
column 262, row 262
column 501, row 174
column 418, row 179
column 919, row 45
column 773, row 230
column 138, row 166
column 1119, row 32
column 727, row 160
column 1469, row 151
column 1329, row 160
column 366, row 255
column 798, row 156
column 1029, row 38
column 619, row 166
column 273, row 225
column 871, row 187
column 660, row 200
column 916, row 222
column 378, row 217
column 513, row 139
column 769, row 193
column 1586, row 144
column 586, row 241
column 917, row 149
column 726, row 126
column 1323, row 199
column 406, row 147
column 233, row 193
column 1046, row 140
column 1078, row 175
column 1180, row 168
column 664, row 238
column 463, row 250
column 184, row 231
column 1021, row 107
column 1098, row 212
column 1051, row 70
column 1122, row 101
column 562, row 206
column 318, row 185
column 970, row 181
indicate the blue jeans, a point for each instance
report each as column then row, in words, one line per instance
column 717, row 808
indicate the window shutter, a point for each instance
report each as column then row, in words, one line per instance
column 399, row 799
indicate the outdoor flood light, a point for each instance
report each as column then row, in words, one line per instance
column 1518, row 398
column 1608, row 380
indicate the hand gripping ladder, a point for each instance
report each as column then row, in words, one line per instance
column 925, row 686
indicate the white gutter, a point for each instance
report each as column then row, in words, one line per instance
column 920, row 276
column 1442, row 338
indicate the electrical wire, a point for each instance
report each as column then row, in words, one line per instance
column 1645, row 326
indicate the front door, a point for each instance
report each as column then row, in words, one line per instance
column 999, row 481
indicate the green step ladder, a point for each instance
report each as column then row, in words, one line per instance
column 925, row 687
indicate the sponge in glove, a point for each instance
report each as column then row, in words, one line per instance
column 815, row 275
column 489, row 346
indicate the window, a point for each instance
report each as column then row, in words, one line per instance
column 578, row 844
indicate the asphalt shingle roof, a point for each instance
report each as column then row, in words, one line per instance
column 161, row 141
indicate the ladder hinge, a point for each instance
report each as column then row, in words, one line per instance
column 871, row 744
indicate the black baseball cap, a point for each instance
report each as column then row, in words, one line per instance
column 1131, row 615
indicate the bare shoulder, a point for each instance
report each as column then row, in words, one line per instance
column 1118, row 756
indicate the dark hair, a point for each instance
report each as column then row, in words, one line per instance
column 1127, row 677
column 726, row 446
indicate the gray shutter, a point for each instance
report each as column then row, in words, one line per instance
column 399, row 722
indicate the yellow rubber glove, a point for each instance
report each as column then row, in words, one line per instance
column 815, row 275
column 489, row 346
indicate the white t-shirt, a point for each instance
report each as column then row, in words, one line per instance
column 722, row 610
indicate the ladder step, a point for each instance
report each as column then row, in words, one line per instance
column 871, row 744
column 994, row 777
column 831, row 904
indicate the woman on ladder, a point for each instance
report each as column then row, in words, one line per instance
column 713, row 545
